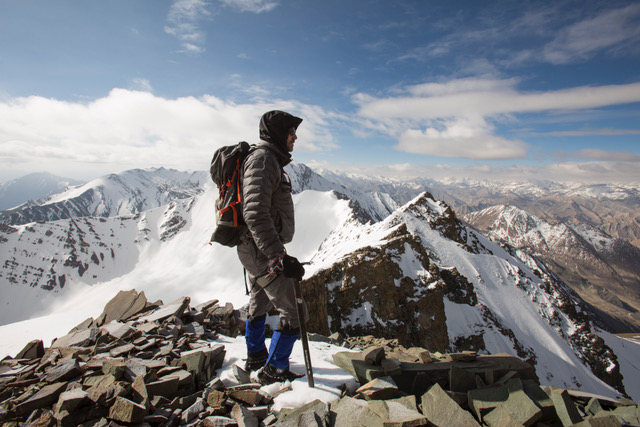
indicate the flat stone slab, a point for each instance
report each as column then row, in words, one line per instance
column 65, row 370
column 175, row 308
column 84, row 338
column 442, row 410
column 45, row 397
column 499, row 363
column 127, row 411
column 124, row 305
column 33, row 350
column 349, row 411
column 117, row 329
column 309, row 414
column 396, row 414
column 379, row 389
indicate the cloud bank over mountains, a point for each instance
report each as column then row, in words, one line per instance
column 453, row 119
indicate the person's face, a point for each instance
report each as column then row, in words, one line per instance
column 291, row 139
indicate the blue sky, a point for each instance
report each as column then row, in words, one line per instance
column 492, row 89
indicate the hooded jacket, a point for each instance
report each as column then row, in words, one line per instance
column 266, row 189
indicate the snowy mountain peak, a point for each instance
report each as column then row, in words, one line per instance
column 127, row 193
column 420, row 275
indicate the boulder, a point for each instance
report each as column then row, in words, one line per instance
column 315, row 413
column 442, row 410
column 46, row 396
column 395, row 413
column 127, row 411
column 83, row 338
column 353, row 412
column 565, row 407
column 379, row 389
column 123, row 306
column 64, row 371
column 33, row 350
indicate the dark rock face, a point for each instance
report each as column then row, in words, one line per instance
column 370, row 281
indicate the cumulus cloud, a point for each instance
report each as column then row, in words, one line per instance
column 131, row 129
column 461, row 139
column 454, row 118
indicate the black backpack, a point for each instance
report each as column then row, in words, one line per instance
column 225, row 170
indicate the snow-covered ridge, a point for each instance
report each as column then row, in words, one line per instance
column 518, row 310
column 127, row 193
column 539, row 188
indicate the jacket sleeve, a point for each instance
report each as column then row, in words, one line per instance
column 261, row 178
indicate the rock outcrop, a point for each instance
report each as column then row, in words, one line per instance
column 136, row 362
column 154, row 364
column 412, row 387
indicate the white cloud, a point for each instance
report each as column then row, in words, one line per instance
column 566, row 172
column 183, row 19
column 599, row 154
column 134, row 129
column 141, row 84
column 471, row 97
column 255, row 6
column 461, row 143
column 589, row 132
column 453, row 118
column 582, row 40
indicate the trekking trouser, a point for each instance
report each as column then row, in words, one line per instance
column 254, row 334
column 276, row 294
column 280, row 349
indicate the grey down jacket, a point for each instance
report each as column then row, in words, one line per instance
column 268, row 204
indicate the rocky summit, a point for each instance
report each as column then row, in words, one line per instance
column 154, row 364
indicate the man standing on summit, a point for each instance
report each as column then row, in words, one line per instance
column 268, row 214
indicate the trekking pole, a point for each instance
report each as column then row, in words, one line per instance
column 303, row 333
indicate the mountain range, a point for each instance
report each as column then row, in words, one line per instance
column 603, row 270
column 386, row 258
column 34, row 186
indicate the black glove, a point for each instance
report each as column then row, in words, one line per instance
column 292, row 267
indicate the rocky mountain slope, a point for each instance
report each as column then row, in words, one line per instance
column 417, row 274
column 604, row 271
column 594, row 214
column 423, row 277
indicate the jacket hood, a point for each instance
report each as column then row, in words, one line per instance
column 274, row 128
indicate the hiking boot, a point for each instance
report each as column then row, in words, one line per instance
column 255, row 361
column 270, row 375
